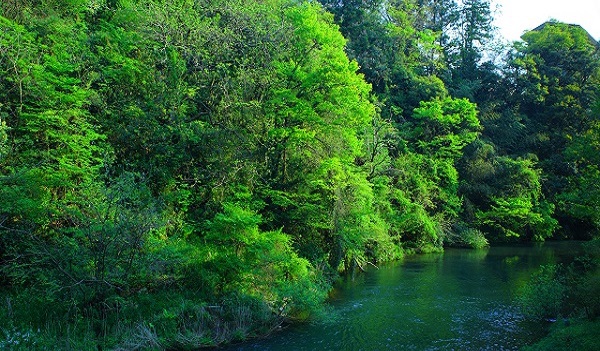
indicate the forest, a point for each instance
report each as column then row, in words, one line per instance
column 186, row 173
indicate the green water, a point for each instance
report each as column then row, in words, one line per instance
column 458, row 300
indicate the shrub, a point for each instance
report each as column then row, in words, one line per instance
column 464, row 236
column 543, row 297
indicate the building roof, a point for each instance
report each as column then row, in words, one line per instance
column 543, row 25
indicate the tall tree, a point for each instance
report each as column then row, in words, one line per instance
column 557, row 69
column 581, row 198
column 52, row 146
column 503, row 195
column 426, row 177
column 470, row 36
column 556, row 73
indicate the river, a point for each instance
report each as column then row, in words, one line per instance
column 459, row 300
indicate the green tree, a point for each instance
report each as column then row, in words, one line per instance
column 53, row 147
column 397, row 57
column 472, row 33
column 503, row 195
column 322, row 111
column 368, row 38
column 555, row 72
column 425, row 173
column 559, row 69
column 443, row 128
column 580, row 200
column 260, row 264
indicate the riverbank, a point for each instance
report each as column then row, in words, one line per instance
column 440, row 296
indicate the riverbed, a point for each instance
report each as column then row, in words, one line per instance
column 457, row 300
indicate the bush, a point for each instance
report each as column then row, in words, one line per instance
column 543, row 297
column 571, row 292
column 464, row 236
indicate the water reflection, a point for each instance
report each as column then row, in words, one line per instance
column 459, row 300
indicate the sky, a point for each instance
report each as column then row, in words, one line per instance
column 514, row 17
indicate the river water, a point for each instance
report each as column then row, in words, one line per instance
column 459, row 300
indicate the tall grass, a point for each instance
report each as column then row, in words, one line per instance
column 158, row 321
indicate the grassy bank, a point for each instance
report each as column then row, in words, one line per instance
column 582, row 335
column 149, row 321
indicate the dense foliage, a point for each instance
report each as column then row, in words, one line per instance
column 183, row 173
